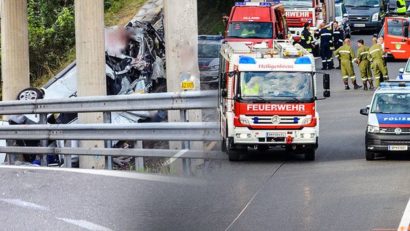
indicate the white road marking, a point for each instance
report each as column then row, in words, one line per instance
column 405, row 220
column 175, row 157
column 85, row 224
column 119, row 174
column 25, row 204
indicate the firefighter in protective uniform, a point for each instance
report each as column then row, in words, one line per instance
column 364, row 64
column 325, row 43
column 346, row 55
column 338, row 36
column 401, row 7
column 306, row 39
column 377, row 63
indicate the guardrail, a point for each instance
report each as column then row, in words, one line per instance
column 172, row 131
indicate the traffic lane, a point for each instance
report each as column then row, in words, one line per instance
column 338, row 195
column 208, row 201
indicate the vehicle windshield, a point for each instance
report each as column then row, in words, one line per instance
column 208, row 50
column 262, row 30
column 391, row 103
column 361, row 3
column 338, row 11
column 297, row 3
column 276, row 86
column 395, row 27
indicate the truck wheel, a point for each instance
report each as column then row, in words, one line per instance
column 310, row 154
column 370, row 155
column 230, row 150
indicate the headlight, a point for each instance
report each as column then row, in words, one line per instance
column 244, row 120
column 306, row 120
column 375, row 17
column 373, row 129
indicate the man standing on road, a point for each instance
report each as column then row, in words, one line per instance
column 338, row 37
column 347, row 56
column 307, row 38
column 377, row 64
column 325, row 52
column 364, row 64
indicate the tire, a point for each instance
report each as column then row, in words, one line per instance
column 263, row 148
column 30, row 93
column 370, row 156
column 310, row 154
column 230, row 150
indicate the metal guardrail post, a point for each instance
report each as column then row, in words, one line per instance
column 108, row 143
column 43, row 143
column 139, row 161
column 186, row 163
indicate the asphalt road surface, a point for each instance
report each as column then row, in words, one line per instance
column 265, row 191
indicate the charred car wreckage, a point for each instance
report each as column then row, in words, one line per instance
column 135, row 63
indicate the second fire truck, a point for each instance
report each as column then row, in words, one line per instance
column 268, row 98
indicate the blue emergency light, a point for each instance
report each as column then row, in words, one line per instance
column 246, row 60
column 260, row 3
column 303, row 60
column 391, row 84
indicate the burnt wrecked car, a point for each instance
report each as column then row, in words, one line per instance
column 135, row 64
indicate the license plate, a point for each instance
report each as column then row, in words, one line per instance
column 397, row 147
column 275, row 134
column 187, row 85
column 359, row 25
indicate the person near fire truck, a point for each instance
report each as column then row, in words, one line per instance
column 401, row 7
column 347, row 56
column 377, row 63
column 364, row 64
column 325, row 36
column 338, row 36
column 306, row 39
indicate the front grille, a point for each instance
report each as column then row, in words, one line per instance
column 387, row 142
column 393, row 130
column 359, row 18
column 269, row 120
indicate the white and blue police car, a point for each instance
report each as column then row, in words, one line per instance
column 388, row 126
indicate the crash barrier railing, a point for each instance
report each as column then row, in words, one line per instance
column 170, row 131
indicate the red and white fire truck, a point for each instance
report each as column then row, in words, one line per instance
column 299, row 12
column 256, row 22
column 395, row 32
column 268, row 98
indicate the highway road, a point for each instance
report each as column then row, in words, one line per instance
column 265, row 191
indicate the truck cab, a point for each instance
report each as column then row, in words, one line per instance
column 268, row 98
column 256, row 22
column 388, row 125
column 395, row 32
column 364, row 14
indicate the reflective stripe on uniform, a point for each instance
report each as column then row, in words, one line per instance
column 364, row 52
column 340, row 40
column 352, row 77
column 375, row 50
column 342, row 51
column 345, row 77
column 326, row 34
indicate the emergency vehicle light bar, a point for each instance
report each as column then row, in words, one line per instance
column 391, row 84
column 246, row 3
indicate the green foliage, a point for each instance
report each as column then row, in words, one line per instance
column 210, row 14
column 51, row 34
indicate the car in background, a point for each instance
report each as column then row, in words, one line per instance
column 208, row 58
column 342, row 18
column 404, row 73
column 364, row 15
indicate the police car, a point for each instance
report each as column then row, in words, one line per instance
column 388, row 126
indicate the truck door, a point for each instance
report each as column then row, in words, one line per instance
column 280, row 23
column 396, row 40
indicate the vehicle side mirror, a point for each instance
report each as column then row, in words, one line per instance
column 326, row 85
column 346, row 15
column 406, row 29
column 224, row 93
column 222, row 80
column 401, row 70
column 364, row 111
column 225, row 19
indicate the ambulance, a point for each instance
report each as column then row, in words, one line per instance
column 267, row 97
column 388, row 124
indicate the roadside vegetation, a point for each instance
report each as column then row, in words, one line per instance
column 210, row 14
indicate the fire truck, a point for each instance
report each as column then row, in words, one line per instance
column 302, row 11
column 395, row 32
column 268, row 98
column 256, row 22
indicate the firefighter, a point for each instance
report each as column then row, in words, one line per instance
column 347, row 56
column 338, row 36
column 307, row 38
column 401, row 6
column 325, row 43
column 364, row 64
column 251, row 86
column 377, row 64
